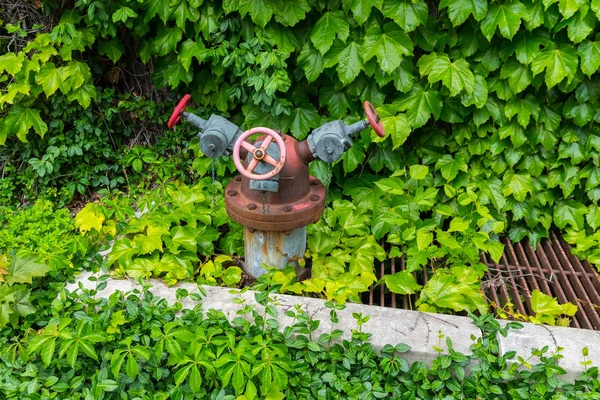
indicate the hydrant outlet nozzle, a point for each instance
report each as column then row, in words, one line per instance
column 195, row 120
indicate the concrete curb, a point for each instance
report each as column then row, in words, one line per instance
column 387, row 325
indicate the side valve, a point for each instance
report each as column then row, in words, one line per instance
column 330, row 141
column 218, row 134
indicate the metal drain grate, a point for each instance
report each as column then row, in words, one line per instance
column 551, row 269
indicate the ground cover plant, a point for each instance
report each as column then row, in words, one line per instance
column 137, row 347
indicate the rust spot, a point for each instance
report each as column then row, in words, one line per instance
column 251, row 206
column 237, row 178
column 314, row 197
column 232, row 193
column 287, row 232
column 287, row 208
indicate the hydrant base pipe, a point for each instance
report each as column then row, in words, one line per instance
column 275, row 249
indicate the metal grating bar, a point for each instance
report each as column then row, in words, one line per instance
column 551, row 269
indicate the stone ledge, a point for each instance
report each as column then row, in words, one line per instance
column 387, row 325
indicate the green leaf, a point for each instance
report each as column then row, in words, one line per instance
column 50, row 78
column 183, row 12
column 348, row 59
column 408, row 14
column 112, row 48
column 517, row 185
column 292, row 12
column 580, row 27
column 418, row 172
column 84, row 95
column 567, row 7
column 166, row 40
column 524, row 108
column 11, row 62
column 458, row 225
column 450, row 166
column 285, row 39
column 23, row 269
column 361, row 9
column 424, row 239
column 190, row 49
column 108, row 385
column 302, row 120
column 456, row 75
column 123, row 13
column 479, row 96
column 332, row 24
column 519, row 76
column 559, row 63
column 20, row 120
column 491, row 191
column 506, row 17
column 154, row 7
column 420, row 105
column 593, row 216
column 572, row 151
column 402, row 283
column 590, row 57
column 569, row 212
column 396, row 125
column 459, row 10
column 311, row 61
column 388, row 46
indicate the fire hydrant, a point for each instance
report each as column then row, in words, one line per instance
column 274, row 197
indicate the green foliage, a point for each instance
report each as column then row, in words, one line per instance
column 14, row 294
column 172, row 235
column 138, row 345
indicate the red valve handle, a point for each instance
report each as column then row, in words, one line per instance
column 176, row 116
column 374, row 119
column 259, row 154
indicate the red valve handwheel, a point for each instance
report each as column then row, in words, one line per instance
column 259, row 154
column 374, row 119
column 176, row 116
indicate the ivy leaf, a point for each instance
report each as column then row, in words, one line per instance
column 519, row 76
column 396, row 125
column 361, row 9
column 418, row 172
column 567, row 7
column 420, row 105
column 580, row 27
column 424, row 239
column 332, row 24
column 285, row 39
column 113, row 49
column 11, row 62
column 388, row 46
column 590, row 57
column 154, row 7
column 292, row 12
column 84, row 95
column 581, row 113
column 524, row 108
column 123, row 13
column 20, row 120
column 23, row 269
column 166, row 40
column 479, row 96
column 459, row 10
column 190, row 49
column 302, row 120
column 491, row 190
column 569, row 212
column 311, row 61
column 593, row 216
column 348, row 59
column 517, row 185
column 450, row 166
column 183, row 12
column 402, row 283
column 408, row 14
column 506, row 16
column 456, row 75
column 559, row 63
column 50, row 78
column 572, row 151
